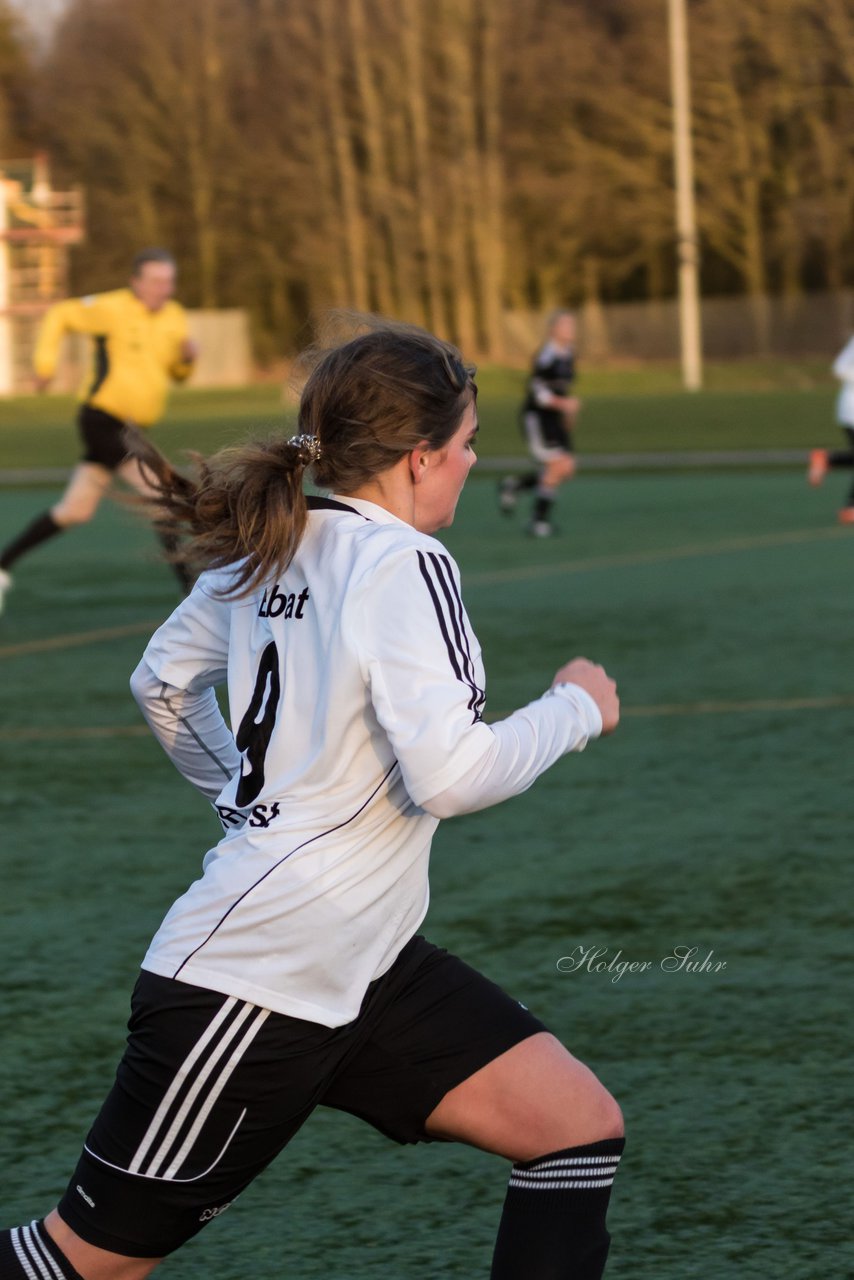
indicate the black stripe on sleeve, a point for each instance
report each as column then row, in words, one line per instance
column 481, row 692
column 455, row 609
column 453, row 644
column 443, row 625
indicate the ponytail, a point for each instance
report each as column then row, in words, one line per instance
column 366, row 404
column 246, row 508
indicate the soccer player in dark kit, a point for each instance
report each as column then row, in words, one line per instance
column 549, row 415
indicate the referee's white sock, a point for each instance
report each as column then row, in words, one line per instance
column 553, row 1224
column 28, row 1253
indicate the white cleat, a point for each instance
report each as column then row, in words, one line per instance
column 540, row 529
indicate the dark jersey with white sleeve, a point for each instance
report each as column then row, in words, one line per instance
column 552, row 375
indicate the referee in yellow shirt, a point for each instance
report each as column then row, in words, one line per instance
column 140, row 345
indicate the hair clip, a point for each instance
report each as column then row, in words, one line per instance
column 307, row 444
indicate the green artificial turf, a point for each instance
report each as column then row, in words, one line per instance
column 747, row 407
column 716, row 818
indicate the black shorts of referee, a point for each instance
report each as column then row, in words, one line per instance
column 211, row 1088
column 103, row 437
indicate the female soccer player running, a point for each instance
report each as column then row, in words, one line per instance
column 291, row 973
column 549, row 415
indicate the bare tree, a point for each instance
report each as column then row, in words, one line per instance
column 445, row 160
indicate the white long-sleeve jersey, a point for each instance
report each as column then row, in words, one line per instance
column 356, row 691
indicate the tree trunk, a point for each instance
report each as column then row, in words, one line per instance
column 355, row 240
column 490, row 235
column 461, row 170
column 412, row 35
column 385, row 263
column 594, row 325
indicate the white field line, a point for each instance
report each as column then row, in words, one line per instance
column 75, row 733
column 525, row 573
column 73, row 639
column 686, row 552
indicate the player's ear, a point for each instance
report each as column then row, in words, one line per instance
column 419, row 461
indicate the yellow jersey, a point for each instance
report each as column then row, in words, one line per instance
column 137, row 352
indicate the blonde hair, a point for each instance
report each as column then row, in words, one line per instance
column 557, row 314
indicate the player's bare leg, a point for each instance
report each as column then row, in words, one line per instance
column 530, row 1100
column 559, row 469
column 540, row 1107
column 556, row 471
column 93, row 1263
column 51, row 1248
column 84, row 491
column 83, row 495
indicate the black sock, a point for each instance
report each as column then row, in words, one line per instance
column 29, row 1251
column 553, row 1224
column 170, row 544
column 42, row 528
column 543, row 508
column 515, row 483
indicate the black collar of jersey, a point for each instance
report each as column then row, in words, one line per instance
column 332, row 504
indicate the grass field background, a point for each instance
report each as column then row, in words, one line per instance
column 717, row 817
column 753, row 405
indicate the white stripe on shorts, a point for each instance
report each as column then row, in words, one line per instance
column 163, row 1149
column 539, row 449
column 160, row 1157
column 261, row 1017
column 181, row 1075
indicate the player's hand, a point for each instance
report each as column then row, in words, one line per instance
column 189, row 351
column 595, row 681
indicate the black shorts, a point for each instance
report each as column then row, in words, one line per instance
column 211, row 1088
column 546, row 433
column 102, row 436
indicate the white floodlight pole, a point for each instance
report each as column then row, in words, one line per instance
column 6, row 377
column 686, row 222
